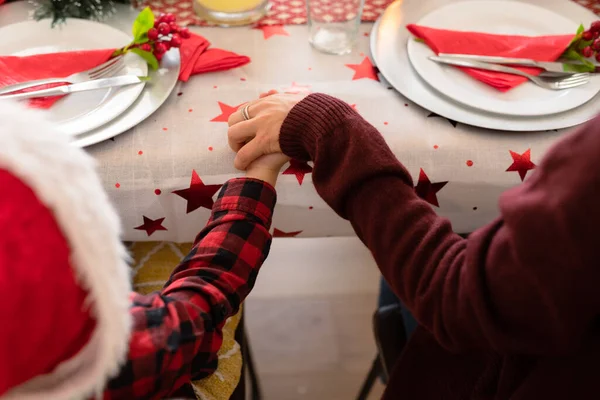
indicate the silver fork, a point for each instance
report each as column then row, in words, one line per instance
column 107, row 69
column 552, row 83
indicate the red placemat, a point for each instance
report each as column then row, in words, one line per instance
column 283, row 12
column 293, row 12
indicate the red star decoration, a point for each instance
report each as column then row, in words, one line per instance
column 298, row 168
column 271, row 30
column 427, row 190
column 278, row 233
column 521, row 163
column 364, row 70
column 295, row 88
column 151, row 225
column 226, row 111
column 198, row 194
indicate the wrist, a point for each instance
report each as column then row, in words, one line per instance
column 263, row 174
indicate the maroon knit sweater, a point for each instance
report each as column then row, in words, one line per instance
column 511, row 312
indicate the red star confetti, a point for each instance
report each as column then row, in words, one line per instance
column 521, row 163
column 277, row 233
column 298, row 168
column 295, row 88
column 364, row 70
column 226, row 111
column 272, row 30
column 427, row 190
column 198, row 194
column 151, row 225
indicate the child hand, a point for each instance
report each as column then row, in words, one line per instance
column 266, row 168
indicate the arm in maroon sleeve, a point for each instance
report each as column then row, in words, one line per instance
column 526, row 283
column 177, row 332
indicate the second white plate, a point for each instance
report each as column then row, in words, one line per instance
column 497, row 17
column 79, row 112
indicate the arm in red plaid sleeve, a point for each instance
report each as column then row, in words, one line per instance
column 177, row 332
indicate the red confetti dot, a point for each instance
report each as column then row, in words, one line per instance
column 157, row 192
column 405, row 104
column 435, row 146
column 179, row 94
column 362, row 54
column 210, row 148
column 310, row 208
column 243, row 79
column 140, row 152
column 117, row 185
column 474, row 208
column 469, row 163
column 366, row 34
column 165, row 129
column 309, row 68
column 214, row 87
column 190, row 110
column 385, row 123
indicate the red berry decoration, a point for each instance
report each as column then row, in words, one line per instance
column 176, row 41
column 587, row 51
column 595, row 27
column 185, row 33
column 168, row 18
column 160, row 48
column 598, row 57
column 587, row 35
column 146, row 47
column 164, row 28
column 167, row 44
column 153, row 34
column 158, row 56
column 596, row 45
column 174, row 27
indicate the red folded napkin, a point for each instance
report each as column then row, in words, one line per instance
column 196, row 58
column 540, row 48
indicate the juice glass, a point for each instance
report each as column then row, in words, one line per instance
column 231, row 12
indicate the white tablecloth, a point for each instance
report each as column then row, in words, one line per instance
column 141, row 168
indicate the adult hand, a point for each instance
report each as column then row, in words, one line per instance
column 259, row 135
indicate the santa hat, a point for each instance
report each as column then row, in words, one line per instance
column 64, row 280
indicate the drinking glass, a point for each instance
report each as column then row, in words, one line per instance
column 231, row 12
column 334, row 24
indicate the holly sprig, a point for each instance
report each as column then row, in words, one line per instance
column 152, row 38
column 585, row 45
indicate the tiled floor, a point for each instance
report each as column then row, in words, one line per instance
column 309, row 319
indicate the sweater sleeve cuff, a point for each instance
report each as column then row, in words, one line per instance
column 248, row 195
column 317, row 115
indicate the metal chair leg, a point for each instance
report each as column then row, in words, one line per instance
column 374, row 372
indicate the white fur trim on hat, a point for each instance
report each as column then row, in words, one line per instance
column 64, row 179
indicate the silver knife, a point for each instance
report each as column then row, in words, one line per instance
column 105, row 83
column 556, row 67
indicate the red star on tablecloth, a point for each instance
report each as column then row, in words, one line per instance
column 226, row 111
column 427, row 190
column 151, row 225
column 521, row 163
column 295, row 88
column 271, row 30
column 298, row 168
column 278, row 233
column 198, row 194
column 364, row 70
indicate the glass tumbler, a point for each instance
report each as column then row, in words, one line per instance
column 231, row 12
column 334, row 24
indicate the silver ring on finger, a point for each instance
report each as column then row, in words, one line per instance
column 245, row 112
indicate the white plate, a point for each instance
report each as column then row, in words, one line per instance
column 388, row 48
column 497, row 17
column 79, row 112
column 157, row 90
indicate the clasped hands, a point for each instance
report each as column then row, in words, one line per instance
column 256, row 140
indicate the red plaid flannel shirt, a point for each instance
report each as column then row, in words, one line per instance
column 177, row 332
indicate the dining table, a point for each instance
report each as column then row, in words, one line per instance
column 163, row 175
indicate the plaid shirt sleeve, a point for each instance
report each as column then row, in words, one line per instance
column 176, row 333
